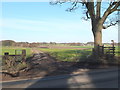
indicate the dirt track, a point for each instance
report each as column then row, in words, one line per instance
column 34, row 50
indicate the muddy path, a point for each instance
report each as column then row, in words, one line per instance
column 35, row 50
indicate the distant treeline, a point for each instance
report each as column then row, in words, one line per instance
column 37, row 44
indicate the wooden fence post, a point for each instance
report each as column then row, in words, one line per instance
column 98, row 52
column 103, row 50
column 113, row 47
column 113, row 51
column 23, row 55
column 6, row 54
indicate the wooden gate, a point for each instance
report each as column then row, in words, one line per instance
column 21, row 55
column 107, row 51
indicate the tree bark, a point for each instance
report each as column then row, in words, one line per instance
column 97, row 38
column 97, row 33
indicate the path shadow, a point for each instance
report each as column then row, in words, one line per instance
column 67, row 69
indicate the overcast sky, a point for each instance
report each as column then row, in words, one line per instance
column 42, row 22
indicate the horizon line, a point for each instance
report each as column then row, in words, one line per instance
column 54, row 41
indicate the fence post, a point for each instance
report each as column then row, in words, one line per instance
column 113, row 51
column 6, row 54
column 98, row 52
column 113, row 47
column 103, row 50
column 23, row 55
column 15, row 52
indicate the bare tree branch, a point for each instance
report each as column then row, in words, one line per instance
column 113, row 7
column 87, row 15
column 57, row 2
column 84, row 2
column 90, row 13
column 111, row 24
column 98, row 9
column 74, row 6
column 117, row 9
column 90, row 8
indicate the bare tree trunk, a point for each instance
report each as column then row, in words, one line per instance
column 97, row 32
column 98, row 38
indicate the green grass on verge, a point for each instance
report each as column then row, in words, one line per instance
column 117, row 49
column 68, row 54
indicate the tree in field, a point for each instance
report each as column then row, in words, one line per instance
column 100, row 19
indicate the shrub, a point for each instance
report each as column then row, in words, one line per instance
column 13, row 65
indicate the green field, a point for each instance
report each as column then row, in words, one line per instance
column 60, row 54
column 68, row 54
column 83, row 46
column 72, row 54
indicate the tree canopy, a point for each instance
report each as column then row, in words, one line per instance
column 95, row 9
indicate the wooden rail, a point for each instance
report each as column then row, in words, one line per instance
column 22, row 55
column 109, row 51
